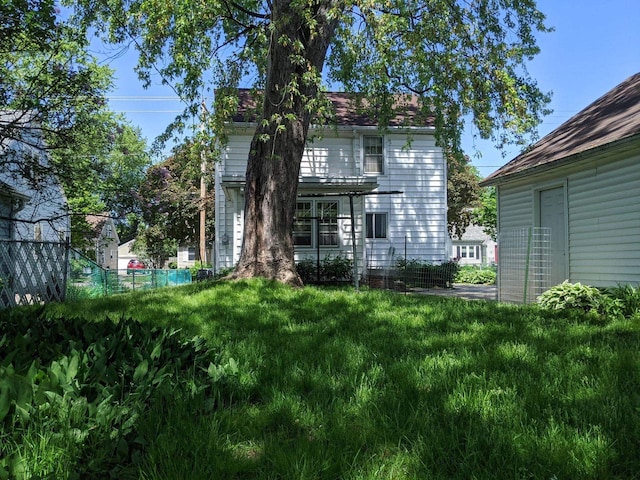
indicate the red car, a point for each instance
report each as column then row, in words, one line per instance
column 135, row 264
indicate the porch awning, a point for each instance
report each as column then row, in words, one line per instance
column 312, row 184
column 337, row 184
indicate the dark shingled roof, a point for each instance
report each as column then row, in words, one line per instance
column 613, row 117
column 97, row 222
column 347, row 111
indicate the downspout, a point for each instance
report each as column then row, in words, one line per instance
column 353, row 243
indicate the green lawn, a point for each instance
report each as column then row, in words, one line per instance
column 264, row 381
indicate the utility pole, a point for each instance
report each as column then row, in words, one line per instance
column 203, row 191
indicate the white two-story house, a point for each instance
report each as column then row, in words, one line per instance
column 395, row 179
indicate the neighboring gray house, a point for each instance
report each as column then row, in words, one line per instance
column 582, row 181
column 353, row 157
column 105, row 240
column 475, row 247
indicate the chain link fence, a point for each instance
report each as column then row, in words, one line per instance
column 88, row 279
column 40, row 272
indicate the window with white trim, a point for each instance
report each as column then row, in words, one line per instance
column 376, row 225
column 316, row 223
column 468, row 251
column 373, row 147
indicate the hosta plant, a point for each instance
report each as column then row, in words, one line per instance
column 576, row 296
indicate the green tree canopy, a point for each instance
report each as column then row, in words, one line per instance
column 486, row 214
column 104, row 177
column 462, row 58
column 49, row 82
column 170, row 198
column 463, row 193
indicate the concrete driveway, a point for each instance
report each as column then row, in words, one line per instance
column 463, row 290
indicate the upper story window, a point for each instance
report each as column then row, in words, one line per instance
column 373, row 154
column 316, row 223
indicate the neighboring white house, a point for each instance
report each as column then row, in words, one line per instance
column 186, row 256
column 351, row 161
column 35, row 210
column 582, row 183
column 475, row 247
column 34, row 220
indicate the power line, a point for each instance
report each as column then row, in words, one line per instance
column 139, row 98
column 148, row 111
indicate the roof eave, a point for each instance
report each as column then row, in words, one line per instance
column 347, row 127
column 561, row 162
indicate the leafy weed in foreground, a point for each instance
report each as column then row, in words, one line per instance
column 73, row 392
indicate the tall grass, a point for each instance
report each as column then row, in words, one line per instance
column 334, row 384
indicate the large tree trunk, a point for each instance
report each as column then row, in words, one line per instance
column 278, row 144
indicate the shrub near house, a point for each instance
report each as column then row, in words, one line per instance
column 427, row 275
column 332, row 270
column 476, row 276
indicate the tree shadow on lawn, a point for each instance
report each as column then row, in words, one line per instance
column 339, row 385
column 333, row 384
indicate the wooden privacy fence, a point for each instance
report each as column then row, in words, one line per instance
column 32, row 272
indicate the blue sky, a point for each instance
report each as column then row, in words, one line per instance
column 595, row 46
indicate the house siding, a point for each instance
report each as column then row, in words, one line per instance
column 329, row 156
column 604, row 223
column 603, row 215
column 43, row 206
column 416, row 218
column 515, row 204
column 236, row 153
column 45, row 215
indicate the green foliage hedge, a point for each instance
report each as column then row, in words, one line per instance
column 333, row 269
column 476, row 275
column 421, row 274
column 198, row 266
